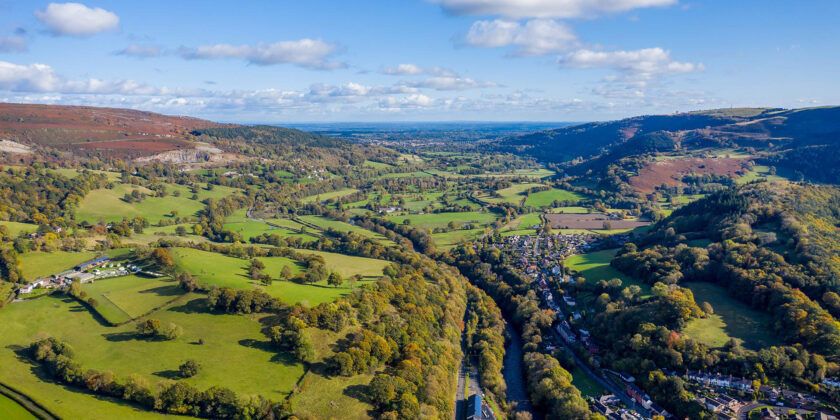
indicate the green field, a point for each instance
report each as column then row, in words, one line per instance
column 235, row 354
column 15, row 228
column 513, row 194
column 107, row 204
column 587, row 386
column 11, row 410
column 224, row 271
column 449, row 240
column 433, row 220
column 524, row 222
column 330, row 396
column 376, row 165
column 124, row 298
column 732, row 319
column 545, row 198
column 325, row 223
column 759, row 172
column 329, row 195
column 595, row 266
column 40, row 264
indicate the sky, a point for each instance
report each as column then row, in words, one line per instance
column 420, row 60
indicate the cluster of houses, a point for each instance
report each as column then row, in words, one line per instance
column 719, row 381
column 86, row 272
column 477, row 410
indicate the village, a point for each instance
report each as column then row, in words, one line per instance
column 541, row 257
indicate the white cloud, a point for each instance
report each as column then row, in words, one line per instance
column 135, row 50
column 41, row 78
column 310, row 53
column 413, row 70
column 638, row 65
column 564, row 9
column 449, row 83
column 12, row 44
column 414, row 101
column 535, row 37
column 77, row 19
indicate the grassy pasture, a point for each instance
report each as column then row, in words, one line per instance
column 587, row 386
column 325, row 223
column 433, row 220
column 128, row 297
column 759, row 172
column 329, row 195
column 11, row 410
column 376, row 165
column 235, row 354
column 15, row 228
column 325, row 395
column 225, row 271
column 595, row 266
column 448, row 240
column 107, row 204
column 545, row 198
column 732, row 319
column 41, row 264
column 513, row 194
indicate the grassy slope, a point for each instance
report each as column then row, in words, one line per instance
column 340, row 226
column 732, row 319
column 545, row 198
column 595, row 266
column 108, row 205
column 15, row 228
column 235, row 354
column 329, row 195
column 232, row 272
column 433, row 220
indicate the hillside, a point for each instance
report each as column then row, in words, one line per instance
column 781, row 136
column 125, row 133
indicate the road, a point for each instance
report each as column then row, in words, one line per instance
column 745, row 410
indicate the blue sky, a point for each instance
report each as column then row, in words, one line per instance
column 420, row 60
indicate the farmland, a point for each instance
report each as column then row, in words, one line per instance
column 433, row 220
column 670, row 172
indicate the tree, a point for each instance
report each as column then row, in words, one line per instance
column 189, row 368
column 335, row 279
column 181, row 230
column 149, row 327
column 162, row 257
column 286, row 273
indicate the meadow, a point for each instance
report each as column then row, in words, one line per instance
column 329, row 195
column 448, row 240
column 124, row 298
column 234, row 353
column 433, row 220
column 108, row 205
column 15, row 228
column 225, row 271
column 595, row 266
column 325, row 223
column 513, row 194
column 40, row 264
column 546, row 198
column 11, row 410
column 731, row 319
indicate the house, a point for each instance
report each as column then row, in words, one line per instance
column 637, row 394
column 626, row 377
column 768, row 414
column 474, row 407
column 566, row 333
column 714, row 404
column 91, row 263
column 721, row 381
column 658, row 409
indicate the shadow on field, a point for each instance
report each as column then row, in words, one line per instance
column 195, row 306
column 168, row 374
column 359, row 392
column 130, row 336
column 278, row 356
column 164, row 291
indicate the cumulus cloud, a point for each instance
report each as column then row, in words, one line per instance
column 535, row 37
column 413, row 70
column 637, row 64
column 135, row 50
column 41, row 78
column 12, row 44
column 309, row 53
column 414, row 101
column 449, row 83
column 521, row 9
column 77, row 19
